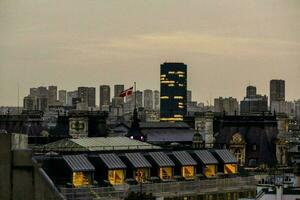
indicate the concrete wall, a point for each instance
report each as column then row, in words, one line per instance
column 21, row 178
column 5, row 166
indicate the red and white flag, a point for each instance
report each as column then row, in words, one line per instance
column 127, row 92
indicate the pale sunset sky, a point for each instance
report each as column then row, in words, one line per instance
column 226, row 44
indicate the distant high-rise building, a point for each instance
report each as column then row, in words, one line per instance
column 139, row 98
column 297, row 110
column 173, row 89
column 92, row 97
column 104, row 96
column 70, row 96
column 87, row 96
column 228, row 105
column 42, row 103
column 83, row 94
column 29, row 103
column 42, row 92
column 189, row 96
column 156, row 100
column 62, row 96
column 251, row 91
column 118, row 89
column 52, row 95
column 253, row 103
column 277, row 90
column 148, row 99
column 33, row 92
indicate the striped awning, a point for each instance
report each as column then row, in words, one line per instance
column 206, row 157
column 112, row 161
column 138, row 160
column 161, row 159
column 78, row 163
column 184, row 158
column 226, row 156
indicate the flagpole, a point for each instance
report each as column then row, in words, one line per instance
column 134, row 95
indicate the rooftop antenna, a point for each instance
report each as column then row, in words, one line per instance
column 18, row 97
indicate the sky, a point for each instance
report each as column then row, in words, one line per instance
column 227, row 44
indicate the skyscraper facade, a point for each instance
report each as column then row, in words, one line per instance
column 62, row 96
column 70, row 96
column 87, row 96
column 156, row 100
column 173, row 89
column 228, row 105
column 253, row 102
column 52, row 95
column 148, row 99
column 118, row 89
column 277, row 90
column 104, row 96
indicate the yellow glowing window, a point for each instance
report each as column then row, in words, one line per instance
column 171, row 119
column 167, row 82
column 171, row 72
column 180, row 75
column 181, row 107
column 230, row 169
column 210, row 170
column 178, row 116
column 164, row 97
column 79, row 179
column 188, row 172
column 180, row 72
column 163, row 75
column 180, row 85
column 116, row 177
column 165, row 173
column 180, row 103
column 162, row 79
column 178, row 97
column 141, row 174
column 171, row 85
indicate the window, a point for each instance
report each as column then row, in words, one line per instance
column 254, row 148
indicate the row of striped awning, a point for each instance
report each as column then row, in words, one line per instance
column 161, row 159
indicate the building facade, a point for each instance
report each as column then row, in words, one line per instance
column 62, row 96
column 173, row 88
column 148, row 99
column 228, row 105
column 253, row 103
column 104, row 96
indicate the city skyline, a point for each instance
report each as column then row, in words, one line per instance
column 98, row 42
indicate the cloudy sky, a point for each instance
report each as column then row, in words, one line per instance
column 226, row 44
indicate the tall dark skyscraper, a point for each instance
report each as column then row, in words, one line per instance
column 173, row 89
column 87, row 95
column 277, row 90
column 104, row 95
column 118, row 89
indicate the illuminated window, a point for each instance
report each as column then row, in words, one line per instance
column 181, row 107
column 177, row 116
column 163, row 75
column 180, row 103
column 167, row 82
column 178, row 97
column 164, row 97
column 188, row 172
column 162, row 79
column 141, row 174
column 165, row 173
column 116, row 177
column 171, row 85
column 210, row 170
column 171, row 72
column 79, row 179
column 180, row 75
column 180, row 72
column 171, row 119
column 230, row 169
column 180, row 85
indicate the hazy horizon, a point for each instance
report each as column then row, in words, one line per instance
column 226, row 45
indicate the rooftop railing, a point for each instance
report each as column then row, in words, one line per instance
column 170, row 189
